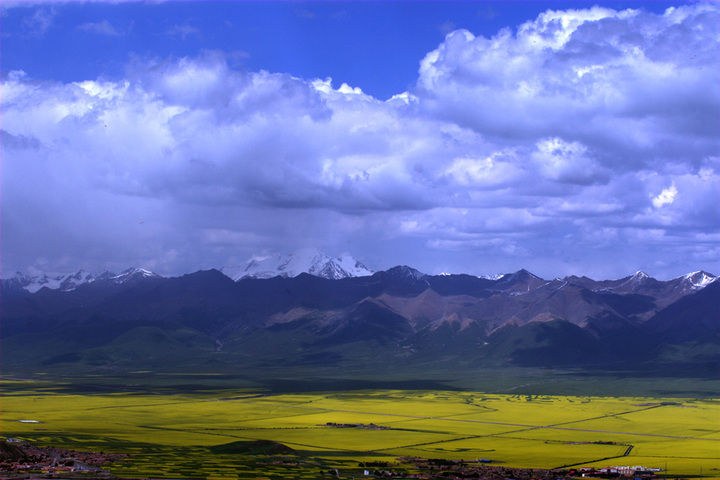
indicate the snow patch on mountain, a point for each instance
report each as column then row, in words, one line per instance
column 635, row 280
column 494, row 276
column 67, row 282
column 132, row 274
column 33, row 282
column 308, row 260
column 698, row 280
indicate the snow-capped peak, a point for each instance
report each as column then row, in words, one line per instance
column 72, row 281
column 352, row 266
column 66, row 282
column 133, row 273
column 699, row 279
column 308, row 260
column 32, row 282
column 636, row 278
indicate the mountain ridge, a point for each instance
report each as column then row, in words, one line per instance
column 323, row 266
column 399, row 314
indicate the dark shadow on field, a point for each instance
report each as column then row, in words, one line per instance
column 344, row 384
column 696, row 370
column 217, row 385
column 86, row 388
column 252, row 381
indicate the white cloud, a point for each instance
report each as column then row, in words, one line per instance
column 632, row 87
column 666, row 197
column 182, row 31
column 39, row 21
column 101, row 28
column 534, row 143
column 492, row 171
column 567, row 162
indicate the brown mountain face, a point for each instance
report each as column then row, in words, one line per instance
column 532, row 300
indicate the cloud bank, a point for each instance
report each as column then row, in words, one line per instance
column 583, row 141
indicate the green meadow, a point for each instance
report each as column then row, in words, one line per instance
column 176, row 434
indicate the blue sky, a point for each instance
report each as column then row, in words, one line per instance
column 373, row 45
column 479, row 137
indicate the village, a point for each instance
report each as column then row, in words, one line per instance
column 443, row 469
column 637, row 471
column 19, row 459
column 22, row 460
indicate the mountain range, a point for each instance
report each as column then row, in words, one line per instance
column 307, row 260
column 319, row 264
column 396, row 317
column 67, row 282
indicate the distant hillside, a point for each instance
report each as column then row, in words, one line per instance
column 393, row 317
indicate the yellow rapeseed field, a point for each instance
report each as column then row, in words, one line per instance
column 169, row 434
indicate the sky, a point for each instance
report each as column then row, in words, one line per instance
column 469, row 137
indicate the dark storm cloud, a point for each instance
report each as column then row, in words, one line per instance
column 17, row 142
column 581, row 133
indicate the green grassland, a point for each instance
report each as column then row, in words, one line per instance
column 175, row 434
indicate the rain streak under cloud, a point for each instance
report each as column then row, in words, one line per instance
column 582, row 141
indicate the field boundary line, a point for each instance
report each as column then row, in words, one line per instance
column 526, row 426
column 627, row 452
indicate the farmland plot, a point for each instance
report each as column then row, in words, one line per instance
column 177, row 435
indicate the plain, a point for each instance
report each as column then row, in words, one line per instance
column 173, row 434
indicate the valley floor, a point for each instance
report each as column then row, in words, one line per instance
column 203, row 433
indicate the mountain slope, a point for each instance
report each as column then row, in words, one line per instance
column 696, row 316
column 396, row 315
